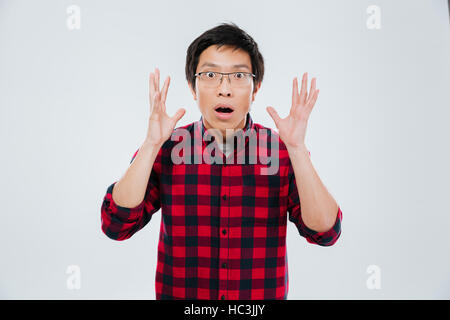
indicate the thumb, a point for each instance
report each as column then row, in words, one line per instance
column 178, row 115
column 274, row 115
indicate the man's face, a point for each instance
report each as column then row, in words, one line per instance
column 239, row 97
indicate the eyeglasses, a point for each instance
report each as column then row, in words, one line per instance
column 213, row 79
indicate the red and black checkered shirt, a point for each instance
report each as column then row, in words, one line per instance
column 223, row 226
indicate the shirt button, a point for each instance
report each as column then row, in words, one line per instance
column 224, row 197
column 224, row 231
column 224, row 265
column 223, row 297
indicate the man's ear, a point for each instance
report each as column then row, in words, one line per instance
column 255, row 91
column 192, row 91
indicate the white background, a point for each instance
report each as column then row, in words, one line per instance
column 74, row 109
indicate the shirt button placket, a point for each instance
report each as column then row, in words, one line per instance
column 223, row 254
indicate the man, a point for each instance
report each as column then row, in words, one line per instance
column 223, row 226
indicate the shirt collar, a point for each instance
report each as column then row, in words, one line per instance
column 199, row 131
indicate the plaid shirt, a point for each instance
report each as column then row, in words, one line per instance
column 223, row 226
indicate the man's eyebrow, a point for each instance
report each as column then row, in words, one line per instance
column 209, row 64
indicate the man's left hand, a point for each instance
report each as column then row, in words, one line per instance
column 292, row 129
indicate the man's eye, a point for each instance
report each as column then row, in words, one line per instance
column 240, row 75
column 210, row 74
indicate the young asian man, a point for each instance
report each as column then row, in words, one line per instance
column 223, row 224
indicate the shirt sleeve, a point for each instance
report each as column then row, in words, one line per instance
column 120, row 223
column 326, row 238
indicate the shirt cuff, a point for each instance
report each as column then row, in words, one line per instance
column 122, row 213
column 325, row 238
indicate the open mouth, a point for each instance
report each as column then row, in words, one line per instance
column 224, row 110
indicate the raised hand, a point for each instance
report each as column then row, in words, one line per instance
column 160, row 125
column 292, row 129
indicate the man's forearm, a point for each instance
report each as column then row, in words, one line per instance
column 318, row 207
column 130, row 190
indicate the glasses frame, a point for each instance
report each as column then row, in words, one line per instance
column 224, row 73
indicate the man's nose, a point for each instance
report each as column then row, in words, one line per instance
column 224, row 88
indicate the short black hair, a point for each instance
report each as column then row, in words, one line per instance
column 228, row 34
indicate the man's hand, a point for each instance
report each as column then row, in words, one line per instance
column 160, row 125
column 292, row 129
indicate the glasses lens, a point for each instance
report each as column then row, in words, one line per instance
column 237, row 79
column 210, row 78
column 240, row 79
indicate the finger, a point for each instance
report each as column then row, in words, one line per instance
column 295, row 95
column 155, row 110
column 157, row 102
column 303, row 92
column 157, row 79
column 314, row 98
column 274, row 114
column 164, row 90
column 152, row 86
column 312, row 91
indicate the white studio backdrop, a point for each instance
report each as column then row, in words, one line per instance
column 74, row 109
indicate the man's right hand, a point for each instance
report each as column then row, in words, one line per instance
column 160, row 125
